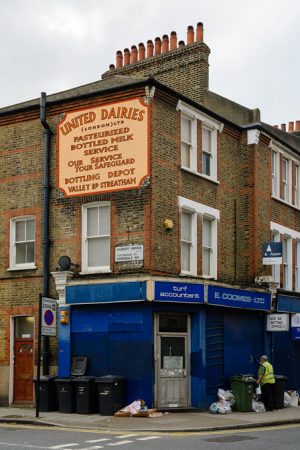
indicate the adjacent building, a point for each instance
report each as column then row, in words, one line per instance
column 142, row 202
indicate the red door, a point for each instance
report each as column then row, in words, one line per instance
column 23, row 370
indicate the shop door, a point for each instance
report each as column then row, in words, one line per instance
column 172, row 361
column 23, row 360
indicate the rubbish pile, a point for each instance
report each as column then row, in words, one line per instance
column 138, row 408
column 224, row 404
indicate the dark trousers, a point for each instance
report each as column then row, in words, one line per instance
column 267, row 396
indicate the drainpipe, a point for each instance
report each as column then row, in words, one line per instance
column 46, row 241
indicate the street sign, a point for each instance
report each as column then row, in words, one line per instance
column 48, row 317
column 278, row 322
column 272, row 253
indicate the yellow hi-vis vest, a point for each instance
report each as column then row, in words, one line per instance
column 269, row 374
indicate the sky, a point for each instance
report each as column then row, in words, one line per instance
column 54, row 45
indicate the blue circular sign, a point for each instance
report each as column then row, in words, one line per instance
column 48, row 317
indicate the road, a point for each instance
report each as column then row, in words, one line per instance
column 52, row 438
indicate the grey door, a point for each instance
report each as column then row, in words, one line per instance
column 172, row 361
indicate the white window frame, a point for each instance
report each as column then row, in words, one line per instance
column 192, row 144
column 214, row 127
column 12, row 244
column 275, row 173
column 296, row 185
column 211, row 248
column 278, row 181
column 285, row 179
column 287, row 262
column 290, row 235
column 84, row 242
column 199, row 209
column 193, row 243
column 276, row 267
column 297, row 266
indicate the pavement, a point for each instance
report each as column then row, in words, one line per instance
column 189, row 421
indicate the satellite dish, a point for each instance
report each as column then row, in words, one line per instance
column 64, row 263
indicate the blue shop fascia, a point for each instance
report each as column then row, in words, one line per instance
column 175, row 341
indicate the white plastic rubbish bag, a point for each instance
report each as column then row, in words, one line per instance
column 258, row 406
column 286, row 400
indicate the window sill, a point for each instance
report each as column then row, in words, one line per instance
column 200, row 175
column 19, row 268
column 285, row 202
column 96, row 271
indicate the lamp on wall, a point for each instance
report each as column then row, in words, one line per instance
column 64, row 263
column 168, row 224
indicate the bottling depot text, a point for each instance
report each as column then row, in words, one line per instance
column 104, row 149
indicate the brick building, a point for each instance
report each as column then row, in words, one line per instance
column 159, row 195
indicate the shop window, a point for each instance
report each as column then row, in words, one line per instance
column 22, row 243
column 96, row 237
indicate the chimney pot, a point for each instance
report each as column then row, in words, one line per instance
column 142, row 51
column 291, row 127
column 149, row 48
column 111, row 67
column 275, row 126
column 283, row 127
column 157, row 46
column 134, row 54
column 126, row 56
column 190, row 35
column 173, row 41
column 181, row 44
column 119, row 59
column 199, row 32
column 165, row 44
column 297, row 127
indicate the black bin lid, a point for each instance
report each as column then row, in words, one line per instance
column 109, row 379
column 78, row 366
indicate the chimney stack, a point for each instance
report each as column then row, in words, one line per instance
column 297, row 127
column 291, row 127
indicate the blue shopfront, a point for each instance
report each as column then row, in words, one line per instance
column 175, row 343
column 286, row 345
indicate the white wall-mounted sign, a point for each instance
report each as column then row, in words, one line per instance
column 48, row 317
column 278, row 322
column 128, row 253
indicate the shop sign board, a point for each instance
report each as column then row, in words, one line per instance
column 104, row 148
column 272, row 253
column 48, row 317
column 278, row 322
column 238, row 298
column 128, row 253
column 179, row 292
